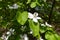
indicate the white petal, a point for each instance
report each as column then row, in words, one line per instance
column 25, row 37
column 35, row 20
column 38, row 18
column 10, row 7
column 35, row 14
column 31, row 32
column 15, row 6
column 41, row 38
column 7, row 37
column 42, row 24
column 12, row 31
column 48, row 24
column 3, row 37
column 8, row 33
column 30, row 15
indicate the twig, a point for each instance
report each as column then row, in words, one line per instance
column 50, row 15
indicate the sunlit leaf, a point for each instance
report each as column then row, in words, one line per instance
column 51, row 36
column 22, row 17
column 34, row 27
column 33, row 4
column 43, row 29
column 28, row 1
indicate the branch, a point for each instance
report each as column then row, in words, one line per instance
column 50, row 15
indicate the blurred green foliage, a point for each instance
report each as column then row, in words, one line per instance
column 48, row 10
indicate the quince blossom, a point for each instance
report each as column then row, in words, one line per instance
column 4, row 37
column 14, row 6
column 47, row 24
column 25, row 37
column 41, row 38
column 34, row 16
column 43, row 25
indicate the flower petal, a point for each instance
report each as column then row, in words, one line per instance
column 35, row 14
column 30, row 15
column 10, row 7
column 15, row 6
column 31, row 32
column 48, row 24
column 43, row 25
column 8, row 32
column 41, row 38
column 38, row 18
column 25, row 37
column 35, row 20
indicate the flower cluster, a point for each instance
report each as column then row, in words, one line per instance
column 9, row 33
column 24, row 37
column 46, row 24
column 34, row 16
column 14, row 6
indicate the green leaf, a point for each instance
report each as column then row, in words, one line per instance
column 28, row 1
column 51, row 29
column 33, row 4
column 22, row 17
column 43, row 29
column 51, row 36
column 38, row 3
column 57, row 36
column 35, row 28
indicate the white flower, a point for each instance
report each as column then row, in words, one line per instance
column 25, row 37
column 14, row 6
column 47, row 24
column 8, row 32
column 33, row 16
column 43, row 25
column 31, row 32
column 41, row 38
column 11, row 31
column 3, row 37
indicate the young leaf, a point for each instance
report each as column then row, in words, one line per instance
column 51, row 36
column 43, row 29
column 57, row 36
column 22, row 17
column 28, row 1
column 35, row 28
column 33, row 4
